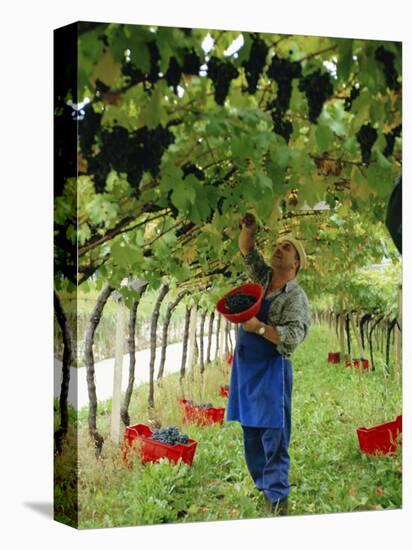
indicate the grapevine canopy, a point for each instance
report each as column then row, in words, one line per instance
column 181, row 131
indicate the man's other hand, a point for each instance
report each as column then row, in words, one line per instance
column 253, row 325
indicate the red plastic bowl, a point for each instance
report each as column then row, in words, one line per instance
column 253, row 289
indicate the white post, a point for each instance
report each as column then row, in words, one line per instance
column 117, row 375
column 222, row 336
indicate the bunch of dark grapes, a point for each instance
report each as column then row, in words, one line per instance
column 283, row 71
column 390, row 140
column 191, row 62
column 152, row 144
column 129, row 152
column 88, row 128
column 366, row 137
column 65, row 149
column 200, row 405
column 236, row 303
column 132, row 73
column 153, row 75
column 221, row 73
column 282, row 127
column 354, row 93
column 387, row 58
column 318, row 88
column 173, row 73
column 170, row 436
column 190, row 168
column 255, row 64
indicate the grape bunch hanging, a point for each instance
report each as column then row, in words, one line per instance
column 191, row 65
column 134, row 75
column 366, row 137
column 317, row 87
column 387, row 58
column 255, row 64
column 221, row 73
column 282, row 71
column 130, row 152
column 390, row 140
column 170, row 436
column 354, row 93
column 239, row 302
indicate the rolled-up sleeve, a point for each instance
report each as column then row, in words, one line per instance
column 256, row 267
column 295, row 323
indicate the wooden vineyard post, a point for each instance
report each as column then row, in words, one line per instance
column 342, row 332
column 117, row 375
column 192, row 341
column 398, row 337
column 357, row 336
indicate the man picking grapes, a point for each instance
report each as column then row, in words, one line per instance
column 261, row 380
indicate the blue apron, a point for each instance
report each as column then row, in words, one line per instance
column 257, row 385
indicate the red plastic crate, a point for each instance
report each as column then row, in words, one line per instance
column 224, row 391
column 358, row 362
column 382, row 438
column 152, row 451
column 229, row 359
column 201, row 416
column 333, row 357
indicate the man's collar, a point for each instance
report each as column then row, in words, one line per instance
column 290, row 285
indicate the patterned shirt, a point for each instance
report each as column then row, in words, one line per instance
column 289, row 311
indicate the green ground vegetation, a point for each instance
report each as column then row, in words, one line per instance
column 328, row 474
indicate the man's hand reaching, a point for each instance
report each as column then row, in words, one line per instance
column 248, row 222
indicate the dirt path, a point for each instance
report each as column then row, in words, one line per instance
column 78, row 395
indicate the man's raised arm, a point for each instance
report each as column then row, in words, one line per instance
column 247, row 233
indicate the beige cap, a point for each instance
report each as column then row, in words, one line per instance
column 300, row 250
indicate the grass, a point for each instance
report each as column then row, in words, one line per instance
column 328, row 472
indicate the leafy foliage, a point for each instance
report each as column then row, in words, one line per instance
column 173, row 146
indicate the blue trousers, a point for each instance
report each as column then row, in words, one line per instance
column 267, row 455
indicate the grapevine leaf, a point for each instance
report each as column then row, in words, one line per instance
column 345, row 58
column 124, row 254
column 154, row 112
column 324, row 136
column 360, row 109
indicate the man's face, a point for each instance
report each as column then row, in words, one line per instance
column 285, row 256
